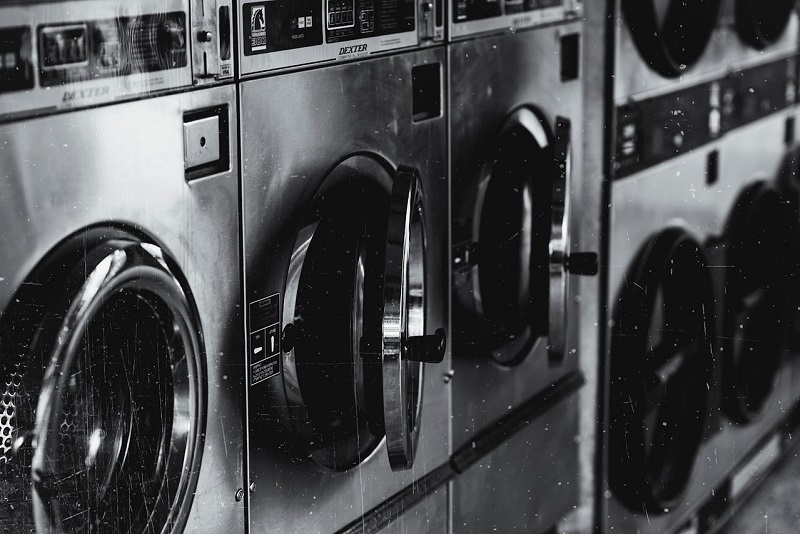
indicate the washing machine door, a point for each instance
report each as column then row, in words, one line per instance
column 760, row 24
column 761, row 241
column 671, row 35
column 511, row 273
column 103, row 401
column 661, row 363
column 356, row 300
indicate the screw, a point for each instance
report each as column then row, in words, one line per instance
column 239, row 495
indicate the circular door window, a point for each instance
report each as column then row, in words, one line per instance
column 760, row 234
column 355, row 304
column 760, row 24
column 506, row 281
column 102, row 406
column 671, row 35
column 661, row 364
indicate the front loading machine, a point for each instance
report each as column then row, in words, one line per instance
column 514, row 166
column 345, row 247
column 693, row 385
column 121, row 364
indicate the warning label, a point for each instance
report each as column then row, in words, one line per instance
column 265, row 342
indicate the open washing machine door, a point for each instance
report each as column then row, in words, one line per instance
column 760, row 24
column 661, row 364
column 103, row 404
column 671, row 35
column 761, row 233
column 355, row 314
column 512, row 261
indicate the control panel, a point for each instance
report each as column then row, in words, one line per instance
column 56, row 56
column 471, row 17
column 285, row 34
column 659, row 128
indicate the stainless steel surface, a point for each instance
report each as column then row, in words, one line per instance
column 490, row 495
column 675, row 193
column 135, row 179
column 295, row 129
column 490, row 78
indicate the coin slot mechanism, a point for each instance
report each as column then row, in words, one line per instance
column 206, row 142
column 426, row 88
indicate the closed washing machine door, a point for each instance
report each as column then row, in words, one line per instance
column 760, row 24
column 761, row 237
column 661, row 363
column 354, row 314
column 102, row 408
column 511, row 261
column 671, row 35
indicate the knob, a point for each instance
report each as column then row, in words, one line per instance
column 204, row 36
column 427, row 349
column 583, row 263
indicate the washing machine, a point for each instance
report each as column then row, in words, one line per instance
column 515, row 145
column 121, row 362
column 345, row 251
column 695, row 374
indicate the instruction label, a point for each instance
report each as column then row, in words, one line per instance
column 265, row 341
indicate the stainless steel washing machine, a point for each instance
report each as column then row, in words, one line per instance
column 120, row 356
column 345, row 253
column 121, row 363
column 514, row 169
column 701, row 106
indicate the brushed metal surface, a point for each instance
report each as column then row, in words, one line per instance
column 294, row 129
column 123, row 165
column 675, row 193
column 543, row 455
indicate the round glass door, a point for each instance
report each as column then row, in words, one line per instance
column 760, row 24
column 671, row 35
column 760, row 234
column 355, row 308
column 507, row 284
column 661, row 363
column 103, row 404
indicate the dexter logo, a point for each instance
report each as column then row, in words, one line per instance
column 347, row 50
column 80, row 94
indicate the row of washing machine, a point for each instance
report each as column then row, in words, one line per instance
column 310, row 267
